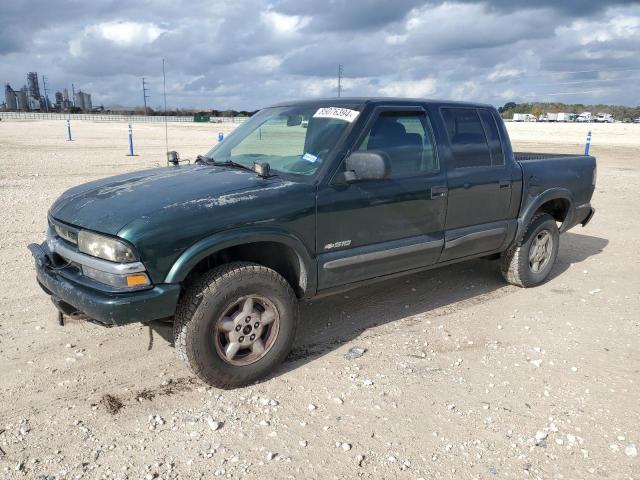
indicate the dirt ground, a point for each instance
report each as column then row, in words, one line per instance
column 463, row 376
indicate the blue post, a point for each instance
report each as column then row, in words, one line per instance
column 586, row 147
column 130, row 143
column 69, row 131
column 220, row 136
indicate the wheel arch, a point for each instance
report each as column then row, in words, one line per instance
column 558, row 202
column 273, row 248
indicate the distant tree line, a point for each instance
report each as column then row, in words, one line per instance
column 619, row 112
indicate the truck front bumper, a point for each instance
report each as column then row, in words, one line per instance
column 105, row 307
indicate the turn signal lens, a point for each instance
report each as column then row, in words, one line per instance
column 137, row 280
column 121, row 281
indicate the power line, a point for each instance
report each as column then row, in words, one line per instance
column 597, row 71
column 522, row 75
column 584, row 92
column 602, row 80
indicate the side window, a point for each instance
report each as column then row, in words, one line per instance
column 467, row 138
column 495, row 146
column 406, row 137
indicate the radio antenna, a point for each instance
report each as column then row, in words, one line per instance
column 164, row 88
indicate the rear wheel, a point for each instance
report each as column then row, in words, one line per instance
column 236, row 324
column 529, row 262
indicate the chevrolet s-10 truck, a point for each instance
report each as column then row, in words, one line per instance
column 305, row 199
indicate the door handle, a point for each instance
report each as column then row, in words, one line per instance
column 505, row 183
column 437, row 192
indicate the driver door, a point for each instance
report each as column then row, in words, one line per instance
column 373, row 228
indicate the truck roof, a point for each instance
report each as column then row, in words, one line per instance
column 362, row 101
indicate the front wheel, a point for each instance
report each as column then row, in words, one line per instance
column 236, row 324
column 529, row 262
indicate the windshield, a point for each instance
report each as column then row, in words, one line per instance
column 294, row 139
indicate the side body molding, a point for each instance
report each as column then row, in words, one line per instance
column 242, row 236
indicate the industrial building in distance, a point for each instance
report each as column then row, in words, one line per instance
column 29, row 98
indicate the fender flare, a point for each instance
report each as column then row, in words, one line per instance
column 534, row 203
column 230, row 238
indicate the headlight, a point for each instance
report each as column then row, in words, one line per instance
column 105, row 247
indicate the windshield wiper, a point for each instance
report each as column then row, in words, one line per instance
column 230, row 163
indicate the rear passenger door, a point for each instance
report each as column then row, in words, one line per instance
column 479, row 183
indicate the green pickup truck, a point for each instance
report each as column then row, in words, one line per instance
column 305, row 199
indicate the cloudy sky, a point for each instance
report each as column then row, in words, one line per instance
column 246, row 54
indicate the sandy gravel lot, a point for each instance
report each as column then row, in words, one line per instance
column 463, row 377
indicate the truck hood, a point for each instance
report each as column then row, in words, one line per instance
column 109, row 204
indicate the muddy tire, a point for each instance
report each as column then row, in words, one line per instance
column 235, row 324
column 529, row 261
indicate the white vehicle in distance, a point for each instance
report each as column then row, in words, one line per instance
column 566, row 117
column 524, row 117
column 549, row 117
column 584, row 117
column 637, row 120
column 604, row 118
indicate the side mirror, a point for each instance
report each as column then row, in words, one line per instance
column 293, row 120
column 173, row 158
column 367, row 165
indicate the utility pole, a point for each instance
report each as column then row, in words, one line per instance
column 144, row 94
column 46, row 96
column 339, row 79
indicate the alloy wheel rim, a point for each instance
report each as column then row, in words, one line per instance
column 540, row 251
column 247, row 330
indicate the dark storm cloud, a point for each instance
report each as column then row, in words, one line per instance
column 250, row 53
column 349, row 15
column 572, row 8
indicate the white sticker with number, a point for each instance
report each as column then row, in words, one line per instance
column 338, row 113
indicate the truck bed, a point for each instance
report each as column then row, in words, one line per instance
column 528, row 156
column 572, row 177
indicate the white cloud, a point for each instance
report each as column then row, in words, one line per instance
column 466, row 91
column 125, row 33
column 588, row 32
column 504, row 74
column 396, row 39
column 284, row 24
column 410, row 88
column 508, row 94
column 319, row 87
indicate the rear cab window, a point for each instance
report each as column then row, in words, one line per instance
column 473, row 136
column 493, row 137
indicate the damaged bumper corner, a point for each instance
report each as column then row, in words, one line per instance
column 105, row 308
